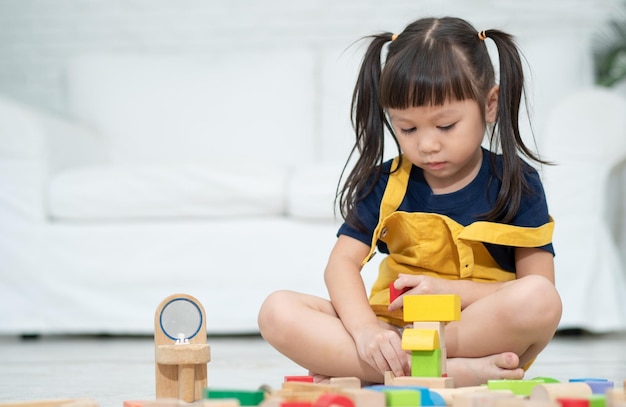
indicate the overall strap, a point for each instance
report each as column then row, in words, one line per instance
column 392, row 197
column 509, row 235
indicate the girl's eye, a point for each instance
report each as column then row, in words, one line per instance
column 408, row 131
column 446, row 128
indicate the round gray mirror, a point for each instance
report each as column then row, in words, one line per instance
column 180, row 318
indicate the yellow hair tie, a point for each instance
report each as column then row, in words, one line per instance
column 393, row 37
column 482, row 35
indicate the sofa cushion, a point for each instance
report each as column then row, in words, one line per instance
column 168, row 109
column 311, row 191
column 141, row 192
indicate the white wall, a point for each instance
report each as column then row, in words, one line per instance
column 38, row 36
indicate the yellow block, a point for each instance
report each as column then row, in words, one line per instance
column 442, row 307
column 420, row 339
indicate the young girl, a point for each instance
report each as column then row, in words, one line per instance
column 452, row 217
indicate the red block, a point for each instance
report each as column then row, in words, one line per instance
column 565, row 402
column 395, row 293
column 307, row 379
column 329, row 399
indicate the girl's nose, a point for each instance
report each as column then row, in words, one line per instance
column 429, row 143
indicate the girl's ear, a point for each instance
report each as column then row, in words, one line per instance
column 491, row 110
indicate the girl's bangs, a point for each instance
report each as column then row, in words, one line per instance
column 408, row 80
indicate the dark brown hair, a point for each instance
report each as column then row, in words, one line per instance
column 432, row 61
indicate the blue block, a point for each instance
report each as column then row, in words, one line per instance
column 598, row 386
column 428, row 397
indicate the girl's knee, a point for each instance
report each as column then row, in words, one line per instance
column 280, row 311
column 536, row 298
column 270, row 310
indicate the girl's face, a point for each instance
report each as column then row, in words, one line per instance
column 444, row 141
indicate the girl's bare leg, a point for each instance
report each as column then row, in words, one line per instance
column 495, row 337
column 307, row 330
column 511, row 327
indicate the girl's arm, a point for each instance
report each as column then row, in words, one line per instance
column 377, row 346
column 528, row 261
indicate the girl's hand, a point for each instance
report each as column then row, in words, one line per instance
column 382, row 349
column 419, row 284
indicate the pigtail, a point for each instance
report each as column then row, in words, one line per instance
column 369, row 122
column 511, row 89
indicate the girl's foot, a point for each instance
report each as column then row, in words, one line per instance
column 477, row 371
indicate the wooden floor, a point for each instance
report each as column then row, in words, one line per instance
column 111, row 370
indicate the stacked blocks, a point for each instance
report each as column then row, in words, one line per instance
column 426, row 339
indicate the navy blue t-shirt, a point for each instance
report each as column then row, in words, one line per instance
column 465, row 206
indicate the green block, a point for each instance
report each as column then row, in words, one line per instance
column 426, row 363
column 518, row 387
column 597, row 400
column 546, row 379
column 245, row 397
column 402, row 398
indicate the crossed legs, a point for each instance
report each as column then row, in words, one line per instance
column 495, row 337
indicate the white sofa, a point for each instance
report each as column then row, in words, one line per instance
column 205, row 176
column 586, row 137
column 215, row 177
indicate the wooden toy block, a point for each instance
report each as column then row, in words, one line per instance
column 402, row 398
column 183, row 354
column 395, row 293
column 80, row 402
column 311, row 387
column 518, row 387
column 296, row 404
column 429, row 382
column 420, row 339
column 329, row 399
column 427, row 397
column 572, row 402
column 245, row 397
column 481, row 398
column 180, row 332
column 271, row 400
column 449, row 393
column 615, row 397
column 440, row 327
column 304, row 391
column 546, row 379
column 426, row 363
column 437, row 308
column 292, row 395
column 444, row 362
column 523, row 402
column 598, row 386
column 306, row 379
column 365, row 397
column 346, row 382
column 154, row 403
column 216, row 403
column 597, row 400
column 552, row 391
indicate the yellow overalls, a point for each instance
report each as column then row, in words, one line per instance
column 435, row 245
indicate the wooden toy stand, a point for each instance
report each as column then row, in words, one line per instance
column 181, row 349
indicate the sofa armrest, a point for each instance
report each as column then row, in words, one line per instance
column 33, row 146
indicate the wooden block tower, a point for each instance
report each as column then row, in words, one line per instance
column 181, row 349
column 426, row 339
